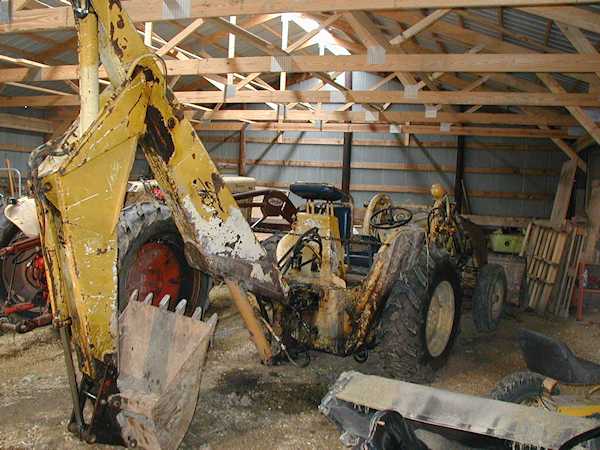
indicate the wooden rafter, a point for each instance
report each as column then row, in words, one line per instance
column 152, row 10
column 466, row 63
column 400, row 97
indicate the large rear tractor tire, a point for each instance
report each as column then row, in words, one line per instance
column 421, row 320
column 489, row 297
column 152, row 260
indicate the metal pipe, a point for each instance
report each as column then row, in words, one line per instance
column 19, row 178
column 240, row 298
column 89, row 86
column 72, row 378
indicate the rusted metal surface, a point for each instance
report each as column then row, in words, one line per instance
column 162, row 357
column 240, row 298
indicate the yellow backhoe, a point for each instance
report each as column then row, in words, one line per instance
column 139, row 359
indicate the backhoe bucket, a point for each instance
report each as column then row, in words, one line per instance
column 161, row 360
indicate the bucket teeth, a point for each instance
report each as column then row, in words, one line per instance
column 161, row 360
column 164, row 303
column 180, row 308
column 134, row 296
column 148, row 299
column 197, row 313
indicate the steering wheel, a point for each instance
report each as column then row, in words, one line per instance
column 392, row 217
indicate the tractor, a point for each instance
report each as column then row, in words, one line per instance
column 140, row 356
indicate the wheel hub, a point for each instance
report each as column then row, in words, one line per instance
column 497, row 299
column 440, row 318
column 155, row 270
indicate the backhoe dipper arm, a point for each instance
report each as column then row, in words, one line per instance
column 80, row 185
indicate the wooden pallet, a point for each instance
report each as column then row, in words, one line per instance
column 551, row 255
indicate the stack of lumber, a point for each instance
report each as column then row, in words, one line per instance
column 552, row 255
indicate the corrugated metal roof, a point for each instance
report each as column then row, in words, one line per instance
column 530, row 27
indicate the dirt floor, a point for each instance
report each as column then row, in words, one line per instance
column 244, row 405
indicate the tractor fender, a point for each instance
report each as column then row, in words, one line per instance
column 24, row 216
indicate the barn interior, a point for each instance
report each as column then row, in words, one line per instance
column 290, row 225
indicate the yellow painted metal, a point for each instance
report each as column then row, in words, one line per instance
column 254, row 328
column 81, row 185
column 85, row 192
column 332, row 270
column 582, row 410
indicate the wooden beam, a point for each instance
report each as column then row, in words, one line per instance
column 425, row 190
column 468, row 63
column 453, row 32
column 578, row 39
column 242, row 153
column 459, row 176
column 256, row 41
column 312, row 34
column 421, row 25
column 24, row 123
column 393, row 144
column 179, row 37
column 563, row 193
column 282, row 97
column 422, row 97
column 562, row 120
column 582, row 117
column 499, row 221
column 61, row 18
column 577, row 17
column 400, row 167
column 385, row 128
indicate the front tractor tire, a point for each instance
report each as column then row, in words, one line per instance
column 152, row 260
column 421, row 320
column 489, row 297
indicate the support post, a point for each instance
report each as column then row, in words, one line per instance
column 459, row 174
column 562, row 199
column 347, row 148
column 89, row 87
column 242, row 153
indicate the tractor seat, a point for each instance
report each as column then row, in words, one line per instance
column 554, row 359
column 318, row 191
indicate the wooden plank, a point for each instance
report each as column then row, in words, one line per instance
column 563, row 193
column 423, row 190
column 577, row 17
column 406, row 167
column 590, row 252
column 582, row 117
column 420, row 26
column 253, row 39
column 61, row 18
column 180, row 37
column 24, row 123
column 398, row 97
column 578, row 39
column 385, row 128
column 471, row 38
column 394, row 117
column 242, row 153
column 433, row 62
column 391, row 144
